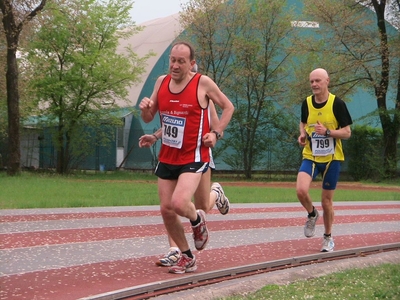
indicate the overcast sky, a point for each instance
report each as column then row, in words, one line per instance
column 145, row 10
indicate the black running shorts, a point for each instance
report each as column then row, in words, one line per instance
column 167, row 171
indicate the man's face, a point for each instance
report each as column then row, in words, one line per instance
column 179, row 62
column 319, row 82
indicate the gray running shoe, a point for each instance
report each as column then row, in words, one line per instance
column 170, row 259
column 184, row 265
column 309, row 228
column 327, row 244
column 200, row 232
column 222, row 201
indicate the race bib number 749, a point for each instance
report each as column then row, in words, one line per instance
column 173, row 129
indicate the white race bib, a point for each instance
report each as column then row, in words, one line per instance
column 173, row 129
column 322, row 145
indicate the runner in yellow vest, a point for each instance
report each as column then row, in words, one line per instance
column 325, row 121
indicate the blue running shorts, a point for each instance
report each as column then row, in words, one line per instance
column 330, row 172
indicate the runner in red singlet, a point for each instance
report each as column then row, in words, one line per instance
column 182, row 100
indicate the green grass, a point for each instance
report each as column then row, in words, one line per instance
column 280, row 195
column 378, row 282
column 35, row 190
column 49, row 191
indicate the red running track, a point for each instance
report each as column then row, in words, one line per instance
column 360, row 225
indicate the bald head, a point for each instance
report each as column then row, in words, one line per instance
column 321, row 73
column 319, row 81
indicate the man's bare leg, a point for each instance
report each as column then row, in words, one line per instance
column 203, row 199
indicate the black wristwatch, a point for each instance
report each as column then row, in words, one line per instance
column 217, row 134
column 327, row 133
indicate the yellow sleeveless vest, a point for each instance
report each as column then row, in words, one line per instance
column 326, row 117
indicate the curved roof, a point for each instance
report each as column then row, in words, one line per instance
column 157, row 35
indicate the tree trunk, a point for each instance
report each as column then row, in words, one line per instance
column 12, row 32
column 390, row 126
column 390, row 153
column 14, row 155
column 60, row 150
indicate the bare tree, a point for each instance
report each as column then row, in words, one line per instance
column 390, row 120
column 362, row 51
column 243, row 46
column 14, row 16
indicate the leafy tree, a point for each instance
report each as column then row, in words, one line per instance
column 78, row 71
column 242, row 45
column 14, row 16
column 361, row 51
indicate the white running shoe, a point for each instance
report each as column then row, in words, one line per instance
column 309, row 228
column 184, row 265
column 327, row 244
column 170, row 259
column 200, row 232
column 222, row 201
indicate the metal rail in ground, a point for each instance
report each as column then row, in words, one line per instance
column 193, row 280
